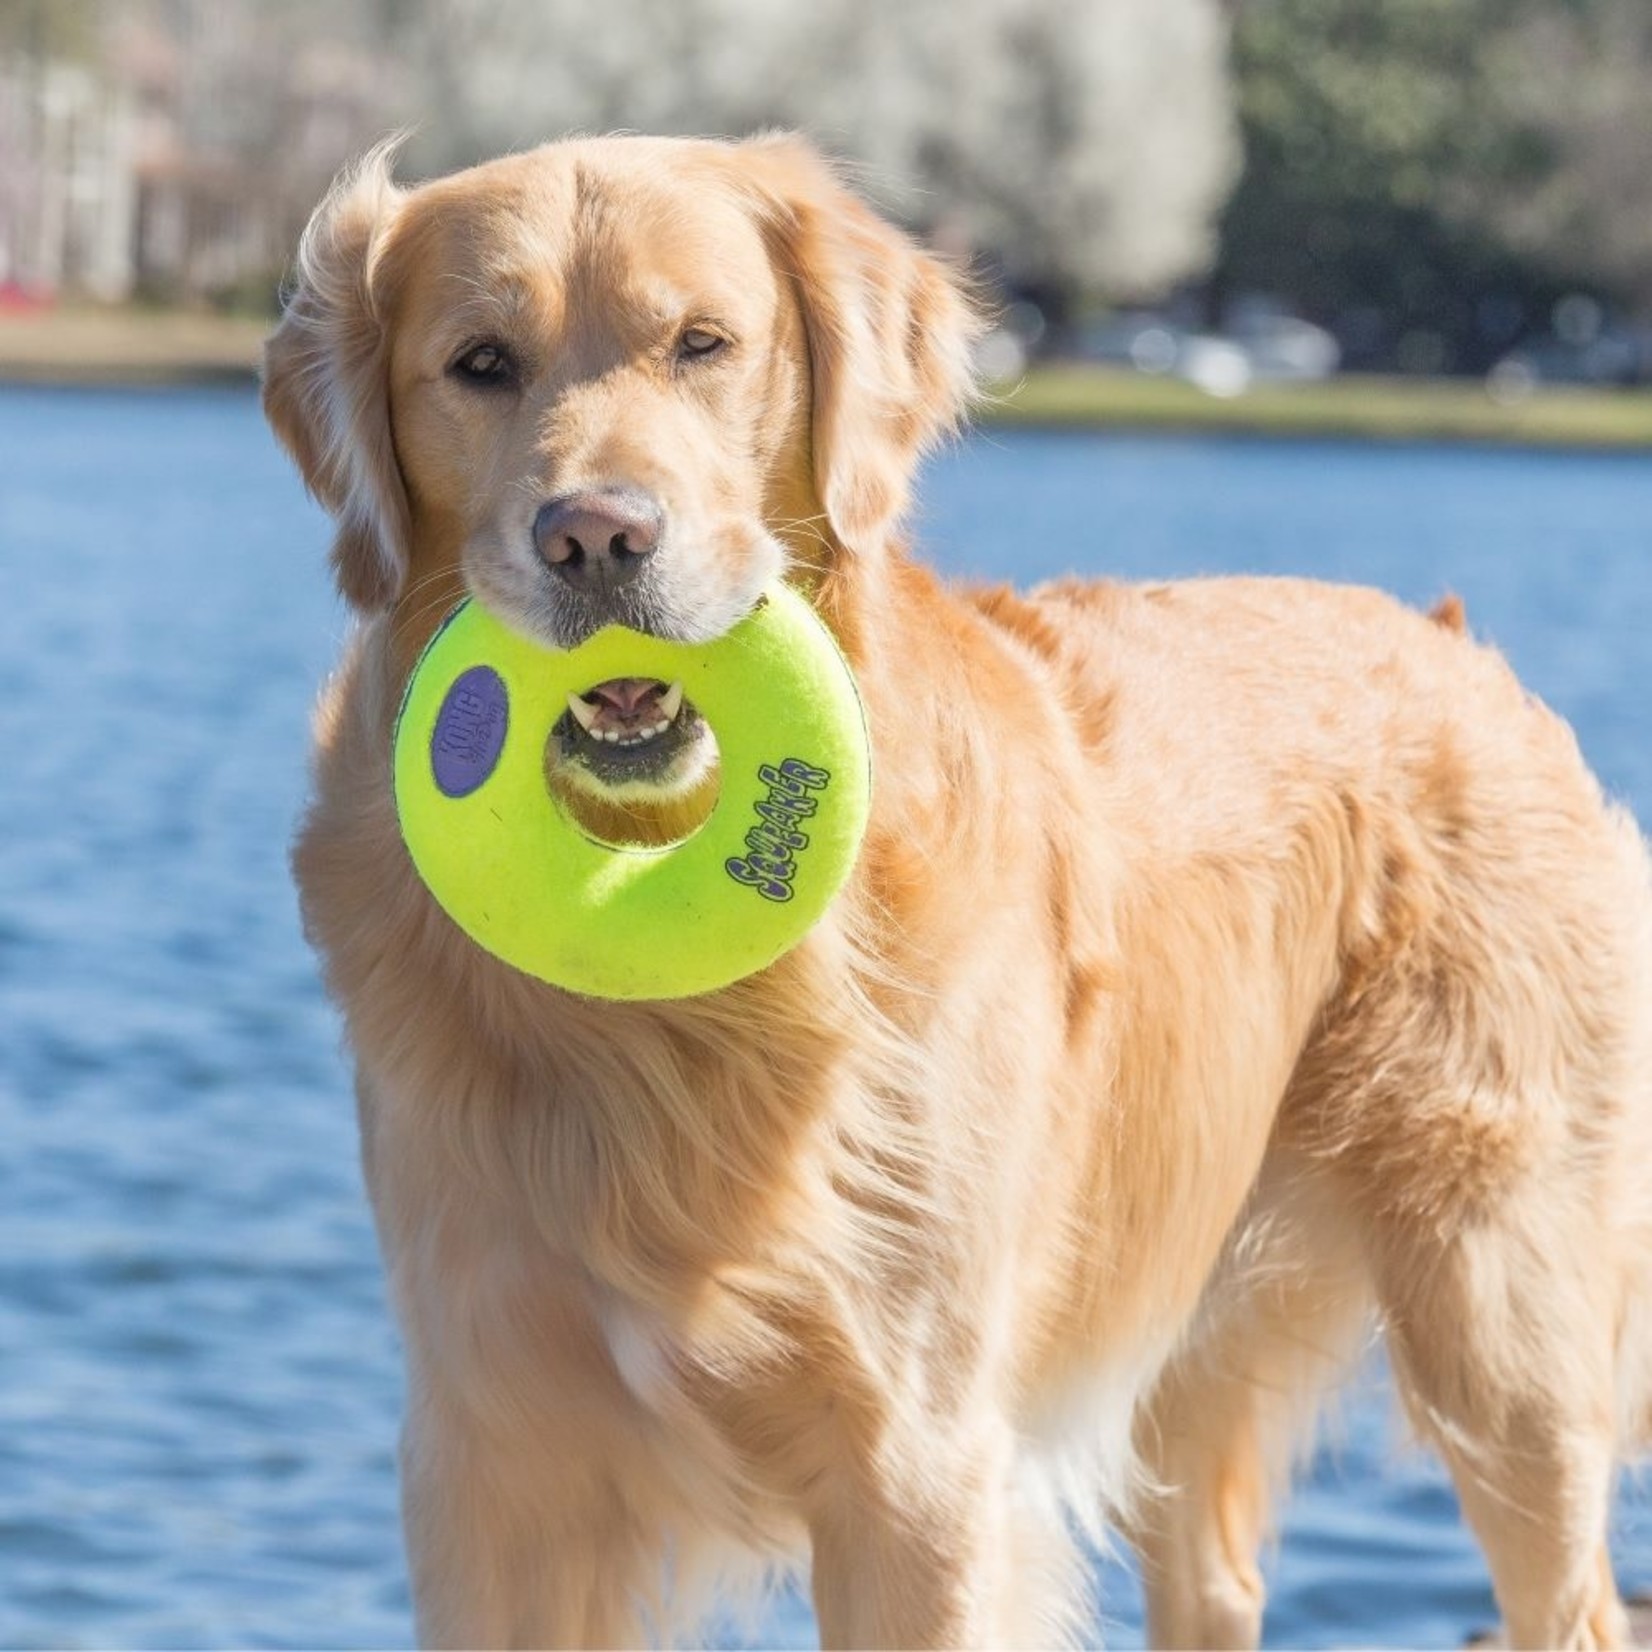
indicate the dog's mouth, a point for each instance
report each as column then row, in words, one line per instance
column 633, row 763
column 627, row 711
column 628, row 728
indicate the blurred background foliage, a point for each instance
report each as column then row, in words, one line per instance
column 1433, row 182
column 1429, row 176
column 1085, row 148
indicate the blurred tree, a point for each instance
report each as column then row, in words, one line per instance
column 1429, row 175
column 40, row 29
column 1578, row 74
column 1088, row 143
column 245, row 110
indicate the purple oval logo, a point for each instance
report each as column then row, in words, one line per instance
column 470, row 731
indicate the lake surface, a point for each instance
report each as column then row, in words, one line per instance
column 199, row 1385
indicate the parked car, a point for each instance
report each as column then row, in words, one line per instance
column 1128, row 338
column 1262, row 346
column 1614, row 355
column 1285, row 347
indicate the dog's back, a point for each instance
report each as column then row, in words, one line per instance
column 1295, row 775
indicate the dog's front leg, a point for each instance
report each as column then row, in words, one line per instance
column 881, row 1580
column 939, row 1551
column 513, row 1545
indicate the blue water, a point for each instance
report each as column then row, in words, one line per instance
column 199, row 1384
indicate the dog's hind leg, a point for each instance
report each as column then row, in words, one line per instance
column 1283, row 1318
column 1502, row 1328
column 1197, row 1541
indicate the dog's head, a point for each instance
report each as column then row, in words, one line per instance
column 612, row 381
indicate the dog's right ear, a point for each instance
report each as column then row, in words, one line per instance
column 326, row 388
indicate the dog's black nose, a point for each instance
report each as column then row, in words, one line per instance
column 598, row 540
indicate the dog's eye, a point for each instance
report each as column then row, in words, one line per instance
column 699, row 342
column 488, row 364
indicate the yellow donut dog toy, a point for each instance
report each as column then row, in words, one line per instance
column 527, row 884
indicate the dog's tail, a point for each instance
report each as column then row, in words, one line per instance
column 1450, row 614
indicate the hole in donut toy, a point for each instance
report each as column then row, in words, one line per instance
column 652, row 792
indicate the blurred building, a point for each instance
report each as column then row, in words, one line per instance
column 67, row 184
column 177, row 157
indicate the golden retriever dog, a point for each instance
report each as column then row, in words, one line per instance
column 1229, row 966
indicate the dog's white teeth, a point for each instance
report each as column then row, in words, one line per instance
column 587, row 715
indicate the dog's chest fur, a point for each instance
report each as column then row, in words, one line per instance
column 628, row 1216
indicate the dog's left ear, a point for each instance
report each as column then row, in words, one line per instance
column 891, row 333
column 326, row 381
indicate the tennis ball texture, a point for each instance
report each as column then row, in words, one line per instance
column 525, row 883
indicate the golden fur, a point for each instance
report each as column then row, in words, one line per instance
column 1227, row 963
